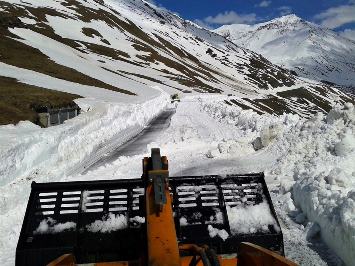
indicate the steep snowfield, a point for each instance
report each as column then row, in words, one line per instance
column 291, row 42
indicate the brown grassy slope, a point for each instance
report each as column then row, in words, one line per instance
column 17, row 100
column 16, row 53
column 298, row 97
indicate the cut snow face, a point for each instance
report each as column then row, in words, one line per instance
column 319, row 165
column 251, row 219
column 27, row 150
column 50, row 226
column 108, row 224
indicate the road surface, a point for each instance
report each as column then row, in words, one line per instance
column 137, row 144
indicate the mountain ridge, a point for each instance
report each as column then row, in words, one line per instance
column 310, row 50
column 125, row 50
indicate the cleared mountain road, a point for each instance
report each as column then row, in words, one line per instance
column 138, row 143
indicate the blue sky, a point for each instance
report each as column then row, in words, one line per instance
column 338, row 15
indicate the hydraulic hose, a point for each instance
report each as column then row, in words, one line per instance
column 208, row 256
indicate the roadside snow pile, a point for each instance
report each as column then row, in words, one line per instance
column 251, row 219
column 312, row 160
column 50, row 226
column 320, row 168
column 29, row 153
column 27, row 150
column 248, row 121
column 108, row 224
column 254, row 131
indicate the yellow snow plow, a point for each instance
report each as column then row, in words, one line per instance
column 154, row 220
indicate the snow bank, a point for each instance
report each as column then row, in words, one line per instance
column 314, row 162
column 50, row 226
column 26, row 151
column 30, row 153
column 251, row 219
column 309, row 160
column 108, row 224
column 320, row 166
column 249, row 122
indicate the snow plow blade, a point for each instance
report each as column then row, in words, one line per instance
column 104, row 220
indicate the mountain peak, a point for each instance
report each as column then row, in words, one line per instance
column 288, row 18
column 307, row 48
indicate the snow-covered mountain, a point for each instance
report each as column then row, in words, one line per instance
column 126, row 45
column 308, row 49
column 94, row 47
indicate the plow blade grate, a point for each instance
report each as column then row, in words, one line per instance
column 105, row 220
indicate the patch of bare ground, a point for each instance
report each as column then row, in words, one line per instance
column 33, row 59
column 106, row 51
column 189, row 77
column 18, row 101
column 90, row 32
column 286, row 102
column 262, row 74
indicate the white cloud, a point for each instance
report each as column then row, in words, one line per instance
column 284, row 10
column 348, row 33
column 264, row 3
column 335, row 17
column 230, row 17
